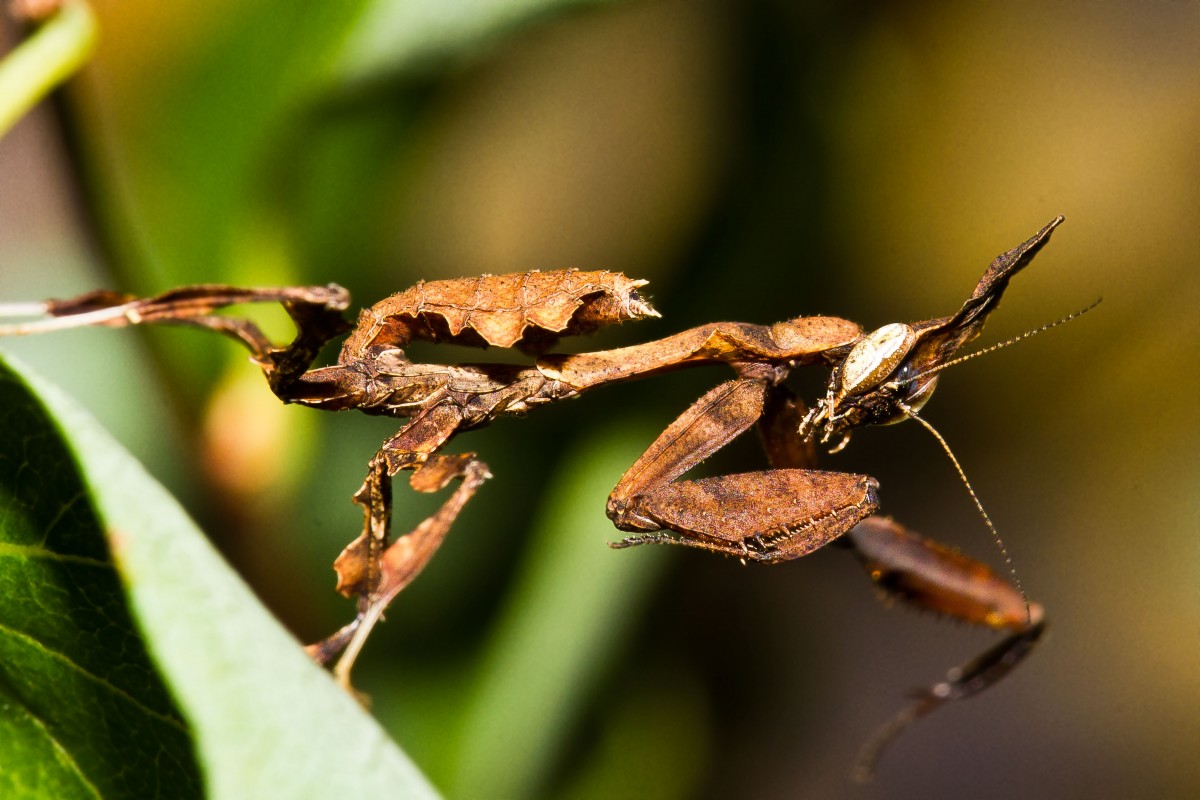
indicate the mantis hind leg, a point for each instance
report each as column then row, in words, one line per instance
column 921, row 573
column 928, row 575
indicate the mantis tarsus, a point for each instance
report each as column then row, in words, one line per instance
column 774, row 515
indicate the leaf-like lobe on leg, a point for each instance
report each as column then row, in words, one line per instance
column 937, row 578
column 530, row 310
column 778, row 515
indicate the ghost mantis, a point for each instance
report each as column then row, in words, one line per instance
column 774, row 515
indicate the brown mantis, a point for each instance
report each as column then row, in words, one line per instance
column 771, row 516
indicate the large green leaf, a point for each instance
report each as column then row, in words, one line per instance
column 84, row 712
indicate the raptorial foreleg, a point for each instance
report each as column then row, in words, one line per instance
column 773, row 515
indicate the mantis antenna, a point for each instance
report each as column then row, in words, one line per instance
column 978, row 505
column 1002, row 345
column 912, row 413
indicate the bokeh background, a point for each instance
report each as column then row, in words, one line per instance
column 756, row 161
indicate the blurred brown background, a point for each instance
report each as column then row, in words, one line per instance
column 756, row 161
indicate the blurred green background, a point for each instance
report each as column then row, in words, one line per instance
column 756, row 161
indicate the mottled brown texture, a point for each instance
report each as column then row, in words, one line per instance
column 529, row 310
column 760, row 516
column 793, row 343
column 773, row 515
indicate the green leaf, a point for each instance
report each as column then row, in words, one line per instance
column 83, row 711
column 391, row 37
column 44, row 60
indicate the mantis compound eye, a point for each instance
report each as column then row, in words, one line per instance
column 875, row 357
column 914, row 394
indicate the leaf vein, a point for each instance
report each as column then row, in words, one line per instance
column 8, row 549
column 174, row 722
